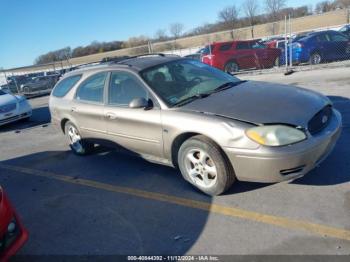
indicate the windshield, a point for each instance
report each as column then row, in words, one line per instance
column 344, row 29
column 179, row 80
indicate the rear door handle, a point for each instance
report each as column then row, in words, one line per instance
column 111, row 115
column 73, row 109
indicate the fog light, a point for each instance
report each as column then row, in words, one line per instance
column 11, row 227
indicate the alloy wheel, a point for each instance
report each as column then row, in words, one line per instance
column 201, row 168
column 75, row 139
column 316, row 59
column 232, row 68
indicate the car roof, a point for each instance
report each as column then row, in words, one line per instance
column 136, row 64
column 236, row 41
column 143, row 62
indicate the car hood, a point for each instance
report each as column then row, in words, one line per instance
column 7, row 99
column 262, row 103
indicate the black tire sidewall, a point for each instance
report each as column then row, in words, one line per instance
column 230, row 63
column 312, row 60
column 224, row 181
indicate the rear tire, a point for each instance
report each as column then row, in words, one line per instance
column 277, row 62
column 231, row 67
column 316, row 59
column 203, row 164
column 26, row 90
column 77, row 144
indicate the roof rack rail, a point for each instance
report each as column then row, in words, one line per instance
column 144, row 55
column 114, row 59
column 85, row 65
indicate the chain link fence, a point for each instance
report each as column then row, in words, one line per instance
column 292, row 44
column 30, row 82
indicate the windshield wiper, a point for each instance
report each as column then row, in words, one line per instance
column 225, row 86
column 190, row 99
column 228, row 85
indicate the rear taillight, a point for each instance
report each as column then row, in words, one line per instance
column 297, row 45
column 208, row 59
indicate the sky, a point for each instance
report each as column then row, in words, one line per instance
column 29, row 28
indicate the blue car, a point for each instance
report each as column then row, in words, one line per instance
column 319, row 47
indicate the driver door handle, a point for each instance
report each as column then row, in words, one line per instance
column 111, row 115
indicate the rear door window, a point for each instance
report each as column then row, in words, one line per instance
column 65, row 85
column 225, row 47
column 91, row 90
column 339, row 38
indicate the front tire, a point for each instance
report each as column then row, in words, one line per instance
column 316, row 59
column 77, row 144
column 231, row 67
column 203, row 164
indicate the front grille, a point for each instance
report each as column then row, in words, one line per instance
column 320, row 120
column 7, row 108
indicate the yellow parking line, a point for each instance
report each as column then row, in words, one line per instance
column 283, row 222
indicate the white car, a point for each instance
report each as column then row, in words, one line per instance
column 13, row 108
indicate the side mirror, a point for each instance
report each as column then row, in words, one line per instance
column 140, row 102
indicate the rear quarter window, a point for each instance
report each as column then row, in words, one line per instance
column 65, row 85
column 243, row 45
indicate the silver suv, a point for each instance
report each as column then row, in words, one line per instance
column 183, row 113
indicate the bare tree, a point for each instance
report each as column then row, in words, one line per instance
column 250, row 8
column 324, row 6
column 342, row 4
column 273, row 7
column 136, row 41
column 161, row 35
column 176, row 30
column 228, row 15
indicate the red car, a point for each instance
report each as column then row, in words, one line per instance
column 236, row 55
column 12, row 233
column 276, row 42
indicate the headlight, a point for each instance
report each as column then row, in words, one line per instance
column 275, row 135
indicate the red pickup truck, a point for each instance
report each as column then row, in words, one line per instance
column 236, row 55
column 12, row 233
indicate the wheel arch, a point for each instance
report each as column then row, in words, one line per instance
column 63, row 124
column 231, row 60
column 314, row 51
column 176, row 144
